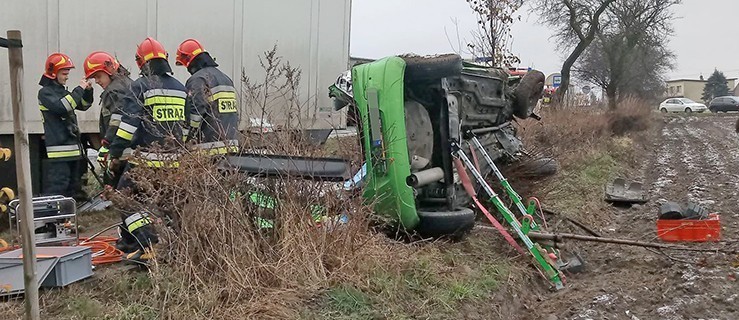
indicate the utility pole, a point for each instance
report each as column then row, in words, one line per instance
column 23, row 171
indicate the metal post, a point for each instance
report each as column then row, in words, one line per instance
column 23, row 170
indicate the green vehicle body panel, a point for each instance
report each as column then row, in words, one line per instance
column 379, row 93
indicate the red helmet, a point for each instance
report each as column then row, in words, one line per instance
column 100, row 61
column 55, row 62
column 149, row 49
column 188, row 50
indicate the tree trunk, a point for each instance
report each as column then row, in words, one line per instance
column 585, row 40
column 611, row 94
column 567, row 69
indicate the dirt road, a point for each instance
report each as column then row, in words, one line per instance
column 687, row 158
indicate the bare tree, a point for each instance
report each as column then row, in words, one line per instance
column 492, row 40
column 637, row 71
column 631, row 55
column 576, row 23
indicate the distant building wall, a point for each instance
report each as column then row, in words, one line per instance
column 692, row 88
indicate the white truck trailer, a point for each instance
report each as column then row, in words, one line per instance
column 312, row 35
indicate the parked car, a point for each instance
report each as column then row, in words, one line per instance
column 724, row 104
column 680, row 105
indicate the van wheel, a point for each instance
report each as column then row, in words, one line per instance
column 454, row 224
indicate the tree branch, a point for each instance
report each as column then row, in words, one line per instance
column 573, row 20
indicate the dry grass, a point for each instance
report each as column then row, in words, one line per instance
column 224, row 264
column 632, row 115
column 591, row 146
column 567, row 129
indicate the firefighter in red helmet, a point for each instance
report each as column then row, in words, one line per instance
column 151, row 113
column 64, row 151
column 214, row 112
column 115, row 81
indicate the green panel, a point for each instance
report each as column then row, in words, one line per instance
column 378, row 91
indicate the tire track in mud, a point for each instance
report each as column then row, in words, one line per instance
column 675, row 163
column 724, row 145
column 718, row 156
column 662, row 160
column 695, row 156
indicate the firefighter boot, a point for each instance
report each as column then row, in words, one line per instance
column 126, row 242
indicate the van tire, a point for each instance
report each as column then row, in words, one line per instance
column 454, row 224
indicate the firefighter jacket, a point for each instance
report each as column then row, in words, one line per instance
column 153, row 112
column 61, row 130
column 214, row 112
column 110, row 101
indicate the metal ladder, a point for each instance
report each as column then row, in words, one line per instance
column 542, row 261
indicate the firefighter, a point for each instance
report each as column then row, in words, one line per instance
column 152, row 114
column 116, row 83
column 214, row 115
column 61, row 131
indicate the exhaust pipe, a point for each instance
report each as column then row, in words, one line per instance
column 425, row 177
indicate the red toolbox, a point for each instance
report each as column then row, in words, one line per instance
column 690, row 230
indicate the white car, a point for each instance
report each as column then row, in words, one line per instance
column 681, row 105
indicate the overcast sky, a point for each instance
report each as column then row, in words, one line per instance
column 706, row 33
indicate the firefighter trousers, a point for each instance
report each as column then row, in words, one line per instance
column 62, row 177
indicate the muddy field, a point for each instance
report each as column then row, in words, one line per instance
column 685, row 158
